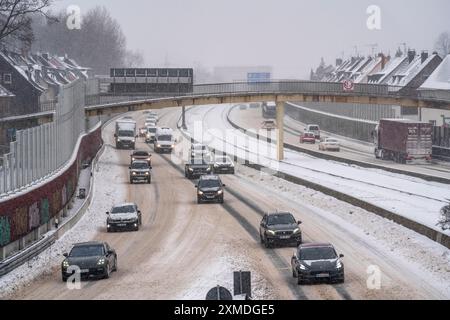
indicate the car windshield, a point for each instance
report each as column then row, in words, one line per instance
column 87, row 251
column 209, row 184
column 123, row 209
column 314, row 128
column 223, row 159
column 165, row 138
column 277, row 219
column 325, row 253
column 152, row 130
column 139, row 165
column 123, row 133
column 141, row 154
column 331, row 140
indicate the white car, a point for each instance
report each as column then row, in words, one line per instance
column 223, row 164
column 199, row 151
column 329, row 144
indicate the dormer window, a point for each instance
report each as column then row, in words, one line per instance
column 7, row 78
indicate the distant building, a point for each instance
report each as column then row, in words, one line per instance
column 225, row 74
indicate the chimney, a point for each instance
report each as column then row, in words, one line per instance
column 383, row 60
column 338, row 62
column 411, row 55
column 424, row 56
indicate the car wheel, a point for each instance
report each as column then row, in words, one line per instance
column 261, row 238
column 300, row 281
column 107, row 272
column 115, row 265
column 221, row 201
column 232, row 171
column 149, row 181
column 64, row 278
column 267, row 244
column 199, row 201
column 294, row 275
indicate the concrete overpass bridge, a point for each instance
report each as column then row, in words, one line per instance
column 278, row 91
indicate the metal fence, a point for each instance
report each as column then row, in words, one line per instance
column 39, row 152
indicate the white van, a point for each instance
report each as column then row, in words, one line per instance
column 164, row 140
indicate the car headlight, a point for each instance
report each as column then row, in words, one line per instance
column 101, row 261
column 200, row 193
column 159, row 146
column 296, row 231
column 191, row 170
column 148, row 159
column 134, row 173
column 133, row 159
column 219, row 192
column 339, row 264
column 118, row 140
column 173, row 146
column 66, row 264
column 302, row 266
column 208, row 169
column 270, row 232
column 147, row 173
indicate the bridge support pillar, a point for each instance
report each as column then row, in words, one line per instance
column 183, row 117
column 280, row 131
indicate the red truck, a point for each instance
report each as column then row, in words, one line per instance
column 403, row 140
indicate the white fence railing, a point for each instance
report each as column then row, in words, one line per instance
column 39, row 152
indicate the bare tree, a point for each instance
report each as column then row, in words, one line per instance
column 134, row 59
column 15, row 18
column 100, row 43
column 442, row 45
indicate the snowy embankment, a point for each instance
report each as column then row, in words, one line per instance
column 108, row 189
column 414, row 252
column 413, row 198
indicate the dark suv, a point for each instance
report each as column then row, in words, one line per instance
column 280, row 228
column 196, row 167
column 210, row 189
column 317, row 262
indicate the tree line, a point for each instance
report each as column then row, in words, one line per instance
column 99, row 42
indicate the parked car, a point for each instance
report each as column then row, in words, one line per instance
column 196, row 167
column 329, row 144
column 210, row 189
column 126, row 216
column 92, row 259
column 280, row 228
column 223, row 164
column 307, row 137
column 255, row 105
column 140, row 171
column 314, row 128
column 317, row 262
column 269, row 125
column 141, row 155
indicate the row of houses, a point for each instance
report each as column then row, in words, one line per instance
column 34, row 80
column 406, row 70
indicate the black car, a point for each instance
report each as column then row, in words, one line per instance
column 280, row 228
column 125, row 216
column 210, row 189
column 223, row 164
column 91, row 259
column 317, row 262
column 197, row 167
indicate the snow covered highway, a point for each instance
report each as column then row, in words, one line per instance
column 184, row 249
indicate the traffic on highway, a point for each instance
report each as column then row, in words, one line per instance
column 207, row 155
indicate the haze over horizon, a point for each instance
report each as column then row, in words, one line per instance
column 289, row 35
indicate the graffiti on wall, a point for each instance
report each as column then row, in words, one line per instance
column 34, row 215
column 5, row 231
column 20, row 221
column 45, row 211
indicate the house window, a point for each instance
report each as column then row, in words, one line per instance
column 7, row 78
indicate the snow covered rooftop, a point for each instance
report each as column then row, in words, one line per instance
column 440, row 78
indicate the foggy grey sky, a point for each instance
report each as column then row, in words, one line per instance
column 290, row 35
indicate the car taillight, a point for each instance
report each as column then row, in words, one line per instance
column 408, row 157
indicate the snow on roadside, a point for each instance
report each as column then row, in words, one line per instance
column 416, row 252
column 107, row 190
